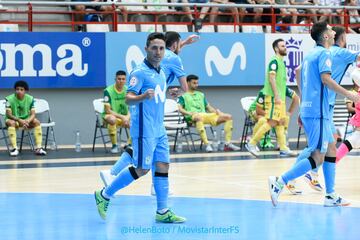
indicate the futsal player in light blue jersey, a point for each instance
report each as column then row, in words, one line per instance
column 173, row 69
column 146, row 97
column 314, row 86
column 342, row 58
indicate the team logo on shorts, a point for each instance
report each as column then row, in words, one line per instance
column 133, row 81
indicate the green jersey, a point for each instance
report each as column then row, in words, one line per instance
column 193, row 102
column 20, row 108
column 276, row 65
column 116, row 99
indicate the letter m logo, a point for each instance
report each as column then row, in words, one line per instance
column 224, row 65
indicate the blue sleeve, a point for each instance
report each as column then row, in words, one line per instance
column 348, row 56
column 325, row 62
column 177, row 67
column 135, row 83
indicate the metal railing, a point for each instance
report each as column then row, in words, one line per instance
column 31, row 9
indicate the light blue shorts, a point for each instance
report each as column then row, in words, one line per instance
column 331, row 119
column 149, row 150
column 318, row 133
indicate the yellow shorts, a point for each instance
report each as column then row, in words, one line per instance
column 208, row 118
column 274, row 111
column 119, row 122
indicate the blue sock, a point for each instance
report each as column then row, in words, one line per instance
column 124, row 160
column 298, row 169
column 125, row 177
column 329, row 168
column 161, row 185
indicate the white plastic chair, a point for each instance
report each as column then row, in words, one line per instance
column 42, row 109
column 174, row 123
column 97, row 27
column 150, row 28
column 98, row 105
column 248, row 122
column 126, row 27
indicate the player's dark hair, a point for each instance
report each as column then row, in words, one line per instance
column 276, row 42
column 338, row 32
column 191, row 77
column 120, row 72
column 171, row 37
column 317, row 31
column 154, row 35
column 22, row 84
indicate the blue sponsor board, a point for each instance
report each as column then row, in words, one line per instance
column 221, row 59
column 53, row 60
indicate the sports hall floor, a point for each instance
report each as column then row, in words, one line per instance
column 223, row 196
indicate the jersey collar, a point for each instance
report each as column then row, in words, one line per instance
column 151, row 66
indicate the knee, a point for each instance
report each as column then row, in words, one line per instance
column 162, row 167
column 36, row 122
column 139, row 172
column 10, row 123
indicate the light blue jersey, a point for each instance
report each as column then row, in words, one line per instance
column 147, row 117
column 342, row 58
column 315, row 96
column 172, row 66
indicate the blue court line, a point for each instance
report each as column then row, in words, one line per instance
column 33, row 216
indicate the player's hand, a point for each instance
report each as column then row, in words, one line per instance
column 277, row 101
column 354, row 97
column 191, row 39
column 149, row 94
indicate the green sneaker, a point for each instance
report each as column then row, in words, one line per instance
column 101, row 203
column 169, row 217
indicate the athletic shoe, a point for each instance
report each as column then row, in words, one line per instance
column 101, row 203
column 287, row 153
column 115, row 149
column 209, row 148
column 107, row 177
column 14, row 152
column 169, row 217
column 334, row 200
column 40, row 152
column 291, row 186
column 231, row 147
column 312, row 179
column 275, row 189
column 153, row 193
column 252, row 149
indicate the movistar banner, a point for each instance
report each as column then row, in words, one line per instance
column 52, row 60
column 220, row 59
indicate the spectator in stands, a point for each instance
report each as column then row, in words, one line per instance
column 203, row 12
column 287, row 11
column 325, row 14
column 354, row 14
column 198, row 111
column 116, row 113
column 82, row 8
column 308, row 11
column 243, row 11
column 284, row 28
column 20, row 112
column 233, row 10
